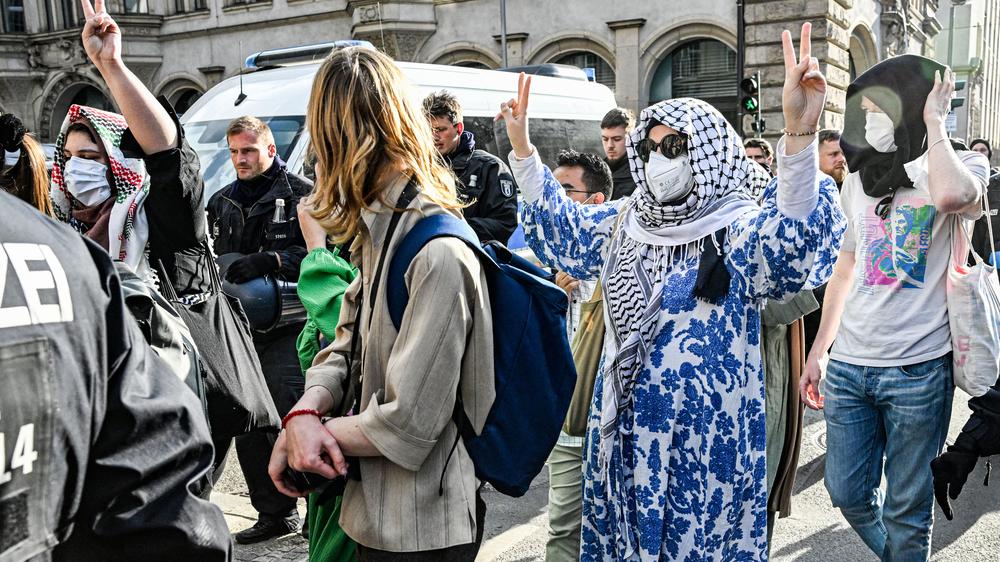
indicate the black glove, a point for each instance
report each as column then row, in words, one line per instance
column 252, row 266
column 950, row 472
column 11, row 132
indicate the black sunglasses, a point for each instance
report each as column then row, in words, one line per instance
column 670, row 146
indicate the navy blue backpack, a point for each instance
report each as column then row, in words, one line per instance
column 534, row 370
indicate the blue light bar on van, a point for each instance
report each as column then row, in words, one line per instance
column 298, row 55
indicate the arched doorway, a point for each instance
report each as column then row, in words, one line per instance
column 60, row 98
column 91, row 97
column 183, row 99
column 703, row 69
column 604, row 73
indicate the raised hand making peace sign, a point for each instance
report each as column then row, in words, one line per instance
column 804, row 93
column 102, row 38
column 515, row 115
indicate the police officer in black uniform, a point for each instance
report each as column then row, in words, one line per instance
column 483, row 179
column 255, row 216
column 100, row 443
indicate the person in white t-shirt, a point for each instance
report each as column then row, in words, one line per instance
column 889, row 379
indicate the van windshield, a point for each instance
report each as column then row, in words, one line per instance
column 208, row 139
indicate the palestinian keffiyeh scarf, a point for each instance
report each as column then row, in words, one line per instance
column 727, row 185
column 128, row 229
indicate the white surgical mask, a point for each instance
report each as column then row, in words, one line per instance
column 880, row 132
column 669, row 179
column 87, row 181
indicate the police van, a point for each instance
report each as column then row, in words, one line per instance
column 566, row 109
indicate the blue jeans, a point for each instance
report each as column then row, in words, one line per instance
column 901, row 415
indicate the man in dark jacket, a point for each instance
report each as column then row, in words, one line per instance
column 255, row 216
column 484, row 180
column 103, row 442
column 615, row 128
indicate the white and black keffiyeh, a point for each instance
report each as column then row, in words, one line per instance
column 722, row 172
column 727, row 185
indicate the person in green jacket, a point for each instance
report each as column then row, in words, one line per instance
column 323, row 279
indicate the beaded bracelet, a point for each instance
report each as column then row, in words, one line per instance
column 296, row 413
column 791, row 134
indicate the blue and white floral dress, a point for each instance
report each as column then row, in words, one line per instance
column 686, row 476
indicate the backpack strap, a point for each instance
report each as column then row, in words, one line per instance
column 429, row 228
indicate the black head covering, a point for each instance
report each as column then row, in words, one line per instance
column 899, row 87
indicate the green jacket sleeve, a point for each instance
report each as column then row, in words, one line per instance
column 323, row 278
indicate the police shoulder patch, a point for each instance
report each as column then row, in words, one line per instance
column 507, row 187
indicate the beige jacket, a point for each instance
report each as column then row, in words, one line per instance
column 410, row 380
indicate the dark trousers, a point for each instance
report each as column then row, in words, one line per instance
column 285, row 381
column 459, row 553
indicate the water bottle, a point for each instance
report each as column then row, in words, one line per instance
column 279, row 211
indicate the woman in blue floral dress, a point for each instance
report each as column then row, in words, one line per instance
column 675, row 468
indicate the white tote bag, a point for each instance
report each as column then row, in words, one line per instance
column 973, row 313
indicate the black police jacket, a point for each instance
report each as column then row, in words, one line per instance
column 101, row 441
column 486, row 181
column 253, row 230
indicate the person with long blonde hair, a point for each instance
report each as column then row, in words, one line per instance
column 412, row 487
column 27, row 179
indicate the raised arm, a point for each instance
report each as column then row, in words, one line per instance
column 149, row 122
column 562, row 233
column 953, row 188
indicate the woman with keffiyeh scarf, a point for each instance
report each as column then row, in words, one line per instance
column 130, row 182
column 676, row 464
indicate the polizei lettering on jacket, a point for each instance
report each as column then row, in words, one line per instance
column 39, row 293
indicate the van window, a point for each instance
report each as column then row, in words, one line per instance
column 550, row 136
column 208, row 139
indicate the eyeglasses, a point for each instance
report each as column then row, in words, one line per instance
column 670, row 146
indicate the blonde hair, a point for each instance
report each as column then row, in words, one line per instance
column 29, row 178
column 364, row 123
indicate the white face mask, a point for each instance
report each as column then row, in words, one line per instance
column 880, row 132
column 669, row 179
column 87, row 181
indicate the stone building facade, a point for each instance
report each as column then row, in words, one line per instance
column 645, row 51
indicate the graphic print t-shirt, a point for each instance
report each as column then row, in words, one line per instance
column 897, row 311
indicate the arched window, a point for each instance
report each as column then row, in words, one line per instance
column 603, row 72
column 703, row 69
column 861, row 54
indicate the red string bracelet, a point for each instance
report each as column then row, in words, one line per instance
column 296, row 413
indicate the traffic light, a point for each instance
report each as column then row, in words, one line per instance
column 750, row 101
column 958, row 101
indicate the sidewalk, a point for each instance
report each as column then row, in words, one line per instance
column 516, row 529
column 240, row 515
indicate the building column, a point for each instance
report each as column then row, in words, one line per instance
column 515, row 48
column 765, row 20
column 627, row 76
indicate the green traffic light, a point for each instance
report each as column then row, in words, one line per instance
column 750, row 103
